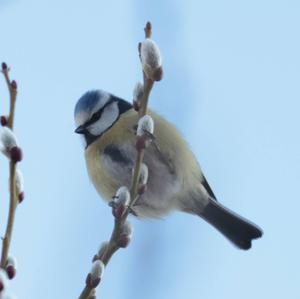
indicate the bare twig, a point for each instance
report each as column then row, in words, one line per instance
column 12, row 87
column 113, row 244
column 148, row 30
column 11, row 215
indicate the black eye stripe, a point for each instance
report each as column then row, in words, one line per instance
column 97, row 115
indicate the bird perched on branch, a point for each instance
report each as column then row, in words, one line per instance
column 175, row 181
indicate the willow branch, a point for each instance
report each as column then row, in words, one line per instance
column 11, row 215
column 12, row 88
column 113, row 245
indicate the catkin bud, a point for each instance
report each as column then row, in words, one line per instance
column 12, row 261
column 3, row 281
column 138, row 91
column 97, row 269
column 145, row 125
column 102, row 249
column 143, row 179
column 11, row 267
column 151, row 60
column 9, row 145
column 136, row 106
column 94, row 277
column 125, row 235
column 4, row 66
column 21, row 197
column 14, row 85
column 122, row 196
column 20, row 185
column 4, row 120
column 16, row 154
column 11, row 271
column 92, row 294
column 143, row 174
column 144, row 131
column 120, row 202
column 8, row 138
column 127, row 228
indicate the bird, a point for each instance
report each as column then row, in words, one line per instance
column 107, row 125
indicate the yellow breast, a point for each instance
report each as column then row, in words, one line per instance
column 168, row 139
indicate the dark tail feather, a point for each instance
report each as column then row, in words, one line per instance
column 236, row 228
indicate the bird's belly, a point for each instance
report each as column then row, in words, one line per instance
column 162, row 186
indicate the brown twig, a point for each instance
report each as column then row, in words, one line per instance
column 148, row 30
column 12, row 87
column 113, row 245
column 11, row 215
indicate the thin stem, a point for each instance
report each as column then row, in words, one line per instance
column 148, row 84
column 112, row 245
column 135, row 180
column 85, row 292
column 6, row 77
column 11, row 215
column 12, row 177
column 148, row 30
column 13, row 97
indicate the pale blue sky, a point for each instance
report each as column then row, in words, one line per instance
column 231, row 86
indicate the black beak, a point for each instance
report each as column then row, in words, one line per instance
column 80, row 130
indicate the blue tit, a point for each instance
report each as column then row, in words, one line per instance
column 176, row 182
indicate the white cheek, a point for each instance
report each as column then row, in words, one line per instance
column 108, row 117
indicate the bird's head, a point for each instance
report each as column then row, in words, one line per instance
column 95, row 112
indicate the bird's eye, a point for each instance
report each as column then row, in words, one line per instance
column 95, row 116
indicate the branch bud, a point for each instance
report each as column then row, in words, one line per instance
column 9, row 145
column 125, row 235
column 11, row 267
column 11, row 271
column 14, row 85
column 151, row 60
column 3, row 281
column 20, row 185
column 102, row 249
column 4, row 120
column 138, row 93
column 4, row 66
column 21, row 197
column 92, row 294
column 145, row 125
column 158, row 74
column 8, row 139
column 16, row 154
column 143, row 174
column 136, row 106
column 143, row 179
column 144, row 132
column 148, row 29
column 120, row 202
column 94, row 277
column 141, row 143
